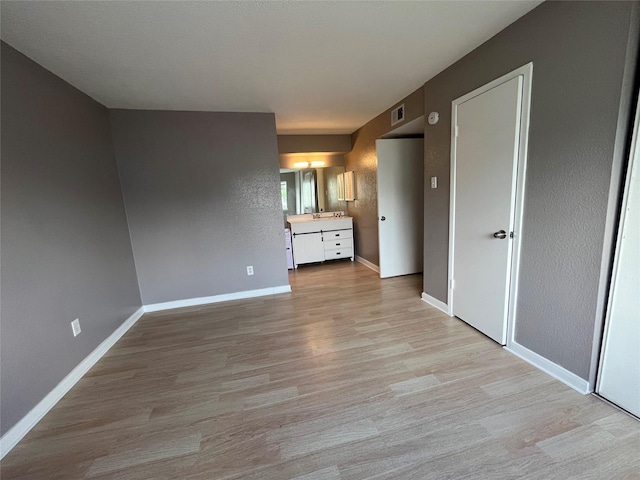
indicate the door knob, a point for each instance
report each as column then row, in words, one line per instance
column 382, row 219
column 501, row 234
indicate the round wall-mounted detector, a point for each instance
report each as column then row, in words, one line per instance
column 433, row 118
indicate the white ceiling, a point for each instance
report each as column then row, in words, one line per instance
column 322, row 67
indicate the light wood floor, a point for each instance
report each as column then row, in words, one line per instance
column 349, row 377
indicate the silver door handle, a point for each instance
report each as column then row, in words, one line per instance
column 501, row 234
column 382, row 219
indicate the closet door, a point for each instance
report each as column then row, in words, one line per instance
column 619, row 376
column 483, row 201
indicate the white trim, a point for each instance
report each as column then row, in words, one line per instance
column 526, row 74
column 556, row 371
column 367, row 263
column 523, row 149
column 434, row 302
column 192, row 302
column 16, row 433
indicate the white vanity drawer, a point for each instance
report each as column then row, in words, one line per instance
column 336, row 234
column 337, row 244
column 338, row 253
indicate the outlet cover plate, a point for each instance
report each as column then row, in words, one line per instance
column 75, row 327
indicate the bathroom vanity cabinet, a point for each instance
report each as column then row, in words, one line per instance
column 321, row 238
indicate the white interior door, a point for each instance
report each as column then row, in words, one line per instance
column 400, row 205
column 620, row 363
column 485, row 154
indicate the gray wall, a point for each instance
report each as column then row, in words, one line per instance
column 363, row 161
column 202, row 192
column 65, row 246
column 578, row 52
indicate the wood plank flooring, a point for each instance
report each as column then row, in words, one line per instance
column 348, row 377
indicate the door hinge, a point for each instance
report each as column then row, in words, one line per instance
column 457, row 132
column 510, row 234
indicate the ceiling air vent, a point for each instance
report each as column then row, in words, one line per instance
column 397, row 114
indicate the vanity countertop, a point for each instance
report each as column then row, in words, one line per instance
column 292, row 219
column 307, row 224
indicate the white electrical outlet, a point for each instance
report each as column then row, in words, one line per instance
column 75, row 327
column 249, row 269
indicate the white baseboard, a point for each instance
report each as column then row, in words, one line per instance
column 556, row 371
column 16, row 433
column 367, row 263
column 434, row 302
column 193, row 302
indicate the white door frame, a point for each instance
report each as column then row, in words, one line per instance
column 526, row 71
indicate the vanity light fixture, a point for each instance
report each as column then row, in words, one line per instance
column 318, row 163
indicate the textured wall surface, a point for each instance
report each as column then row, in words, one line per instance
column 362, row 159
column 202, row 192
column 578, row 53
column 314, row 143
column 65, row 245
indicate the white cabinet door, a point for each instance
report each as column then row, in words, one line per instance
column 307, row 248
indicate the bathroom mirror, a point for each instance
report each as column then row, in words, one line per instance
column 310, row 190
